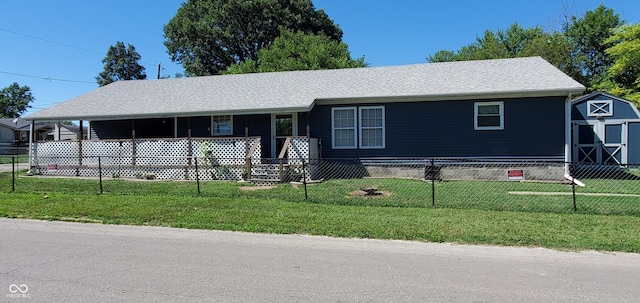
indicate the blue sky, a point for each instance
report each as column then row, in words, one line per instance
column 56, row 47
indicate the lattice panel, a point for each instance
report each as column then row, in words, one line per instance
column 298, row 150
column 305, row 149
column 161, row 152
column 56, row 156
column 221, row 151
column 111, row 152
column 218, row 158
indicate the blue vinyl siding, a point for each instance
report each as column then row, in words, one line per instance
column 532, row 127
column 633, row 150
column 259, row 126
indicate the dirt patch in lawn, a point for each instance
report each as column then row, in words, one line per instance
column 366, row 194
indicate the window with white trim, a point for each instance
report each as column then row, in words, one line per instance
column 600, row 108
column 488, row 115
column 343, row 127
column 222, row 125
column 371, row 126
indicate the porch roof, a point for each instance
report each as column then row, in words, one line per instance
column 298, row 91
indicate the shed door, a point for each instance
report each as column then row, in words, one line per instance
column 600, row 143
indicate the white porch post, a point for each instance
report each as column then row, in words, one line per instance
column 31, row 144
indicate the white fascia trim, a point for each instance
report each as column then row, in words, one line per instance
column 449, row 97
column 171, row 115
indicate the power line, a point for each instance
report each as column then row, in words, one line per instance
column 66, row 45
column 47, row 78
column 50, row 41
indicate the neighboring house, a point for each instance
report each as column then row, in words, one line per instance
column 10, row 130
column 508, row 108
column 14, row 134
column 62, row 132
column 605, row 130
column 15, row 131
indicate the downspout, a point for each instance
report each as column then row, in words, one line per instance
column 567, row 135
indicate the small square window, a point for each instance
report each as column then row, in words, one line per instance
column 488, row 115
column 222, row 125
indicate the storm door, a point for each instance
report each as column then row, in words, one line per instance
column 282, row 126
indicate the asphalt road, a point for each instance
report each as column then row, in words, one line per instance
column 71, row 262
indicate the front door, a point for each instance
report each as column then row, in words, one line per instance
column 282, row 126
column 600, row 143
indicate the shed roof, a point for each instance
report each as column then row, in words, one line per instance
column 300, row 90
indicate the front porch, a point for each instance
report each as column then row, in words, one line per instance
column 176, row 159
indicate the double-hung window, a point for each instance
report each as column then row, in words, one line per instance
column 343, row 126
column 371, row 127
column 358, row 127
column 488, row 116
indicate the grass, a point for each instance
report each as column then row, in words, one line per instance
column 465, row 212
column 6, row 159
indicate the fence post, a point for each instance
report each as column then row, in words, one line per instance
column 13, row 174
column 304, row 180
column 195, row 160
column 573, row 189
column 433, row 183
column 100, row 172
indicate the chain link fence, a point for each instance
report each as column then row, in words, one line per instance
column 502, row 185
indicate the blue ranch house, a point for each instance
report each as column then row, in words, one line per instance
column 516, row 108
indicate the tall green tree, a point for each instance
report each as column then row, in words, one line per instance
column 15, row 100
column 588, row 36
column 623, row 76
column 121, row 63
column 300, row 51
column 208, row 36
column 513, row 42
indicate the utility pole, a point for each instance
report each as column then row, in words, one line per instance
column 159, row 67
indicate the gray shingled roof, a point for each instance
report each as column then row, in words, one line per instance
column 19, row 123
column 300, row 90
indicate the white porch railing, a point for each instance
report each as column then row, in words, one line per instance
column 163, row 158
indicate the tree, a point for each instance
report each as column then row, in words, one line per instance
column 623, row 76
column 300, row 51
column 121, row 63
column 587, row 36
column 208, row 36
column 509, row 43
column 15, row 100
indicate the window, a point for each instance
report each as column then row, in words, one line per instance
column 222, row 125
column 489, row 116
column 600, row 108
column 368, row 121
column 372, row 127
column 343, row 125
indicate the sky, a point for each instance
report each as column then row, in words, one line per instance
column 56, row 47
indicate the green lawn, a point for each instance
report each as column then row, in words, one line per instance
column 6, row 159
column 464, row 212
